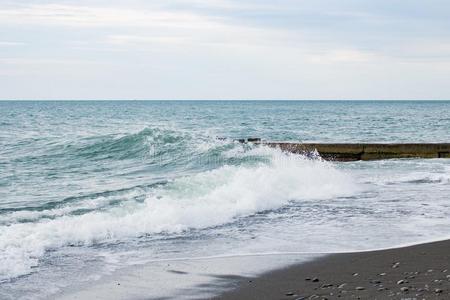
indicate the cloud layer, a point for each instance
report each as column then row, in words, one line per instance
column 224, row 49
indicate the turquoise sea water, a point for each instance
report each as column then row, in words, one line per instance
column 88, row 188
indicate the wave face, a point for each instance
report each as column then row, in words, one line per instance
column 91, row 188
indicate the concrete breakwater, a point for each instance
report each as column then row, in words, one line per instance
column 363, row 151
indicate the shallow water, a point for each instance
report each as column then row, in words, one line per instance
column 90, row 188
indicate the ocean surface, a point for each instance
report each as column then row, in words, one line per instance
column 91, row 188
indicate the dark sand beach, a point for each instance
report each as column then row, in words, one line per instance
column 413, row 272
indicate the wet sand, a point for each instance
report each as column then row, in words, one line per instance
column 414, row 272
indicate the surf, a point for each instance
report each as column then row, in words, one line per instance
column 268, row 180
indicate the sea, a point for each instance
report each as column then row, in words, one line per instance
column 89, row 189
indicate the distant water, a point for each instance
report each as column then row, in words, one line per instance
column 87, row 188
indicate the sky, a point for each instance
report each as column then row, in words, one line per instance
column 225, row 49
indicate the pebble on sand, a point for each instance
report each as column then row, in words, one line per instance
column 290, row 294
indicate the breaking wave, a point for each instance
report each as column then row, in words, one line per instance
column 197, row 201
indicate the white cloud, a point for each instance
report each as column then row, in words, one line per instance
column 91, row 16
column 149, row 26
column 126, row 40
column 11, row 44
column 343, row 56
column 45, row 62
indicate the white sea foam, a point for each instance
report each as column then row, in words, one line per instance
column 421, row 177
column 86, row 203
column 203, row 200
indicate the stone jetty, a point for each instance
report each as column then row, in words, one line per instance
column 362, row 151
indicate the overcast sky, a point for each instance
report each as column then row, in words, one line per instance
column 225, row 49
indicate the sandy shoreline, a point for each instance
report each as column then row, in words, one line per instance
column 414, row 272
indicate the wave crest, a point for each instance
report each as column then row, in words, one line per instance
column 149, row 141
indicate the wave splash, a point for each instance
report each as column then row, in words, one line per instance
column 198, row 201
